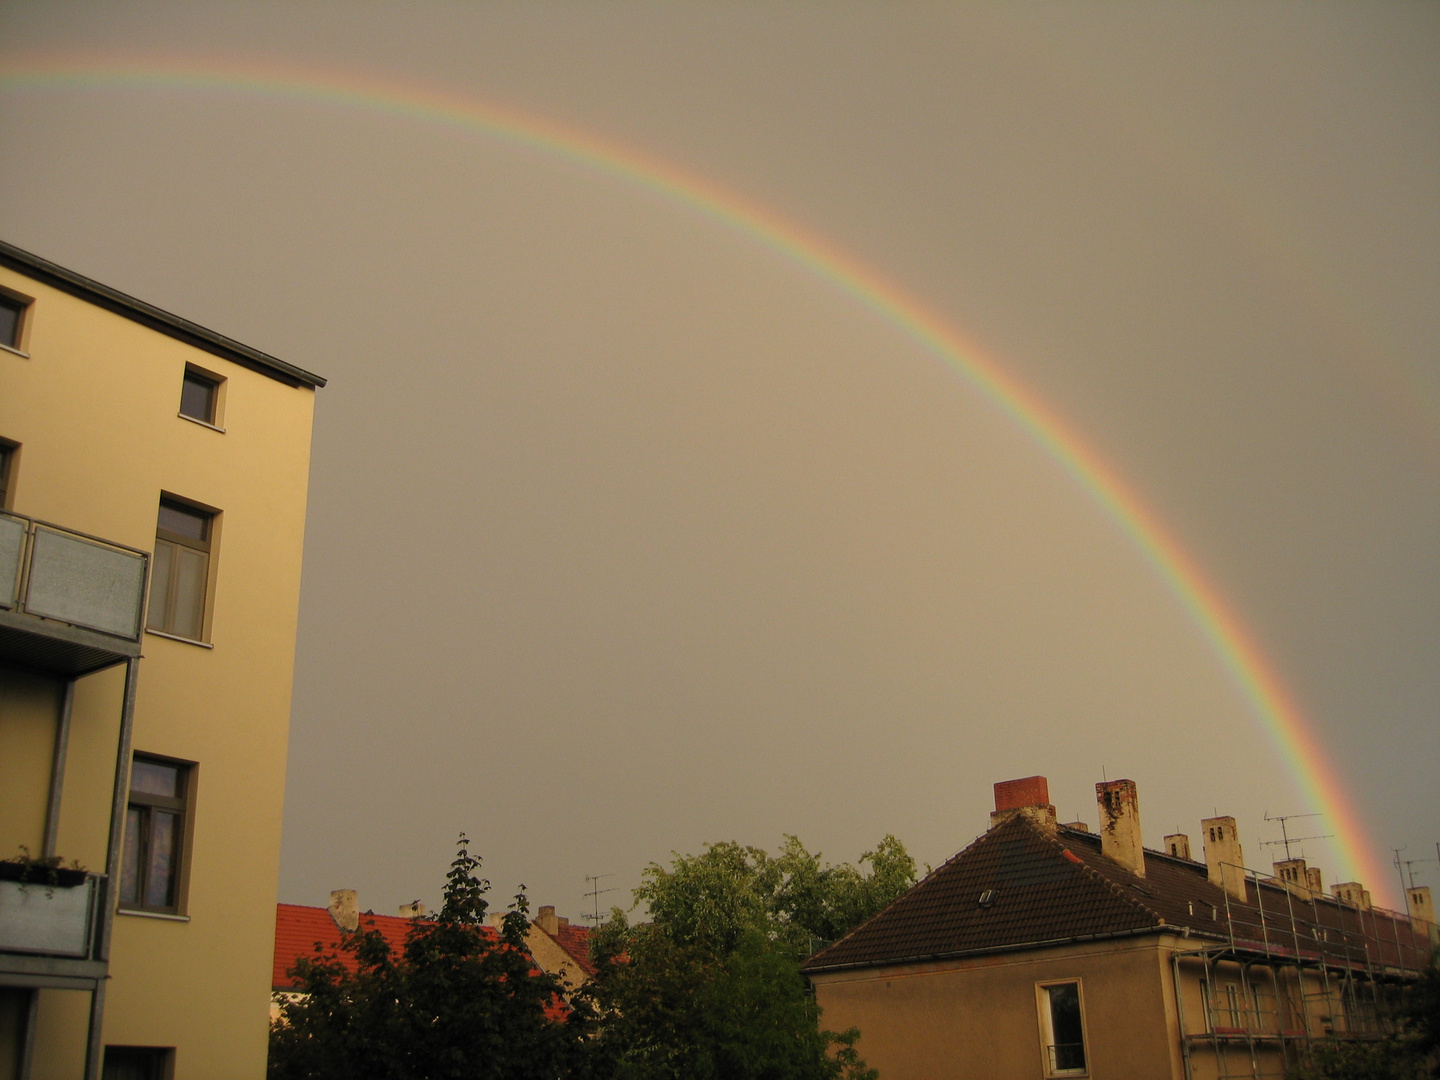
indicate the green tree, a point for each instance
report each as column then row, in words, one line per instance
column 1421, row 1011
column 458, row 1002
column 710, row 987
column 827, row 902
column 1412, row 1049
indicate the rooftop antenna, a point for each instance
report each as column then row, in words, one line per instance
column 1285, row 838
column 1410, row 867
column 595, row 893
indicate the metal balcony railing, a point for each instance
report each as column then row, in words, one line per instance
column 69, row 602
column 1066, row 1058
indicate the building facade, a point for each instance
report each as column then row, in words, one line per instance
column 1045, row 950
column 152, row 509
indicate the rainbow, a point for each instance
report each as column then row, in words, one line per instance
column 1240, row 655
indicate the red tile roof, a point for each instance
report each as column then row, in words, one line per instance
column 575, row 940
column 1019, row 885
column 298, row 928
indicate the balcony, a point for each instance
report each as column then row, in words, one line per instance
column 49, row 933
column 70, row 603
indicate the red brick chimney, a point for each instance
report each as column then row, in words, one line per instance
column 1029, row 796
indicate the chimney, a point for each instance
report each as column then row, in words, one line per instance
column 1120, row 824
column 1027, row 797
column 345, row 909
column 1178, row 845
column 547, row 920
column 413, row 910
column 1078, row 826
column 1291, row 873
column 1352, row 893
column 1313, row 882
column 1419, row 904
column 1224, row 860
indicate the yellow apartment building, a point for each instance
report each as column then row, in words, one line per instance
column 152, row 514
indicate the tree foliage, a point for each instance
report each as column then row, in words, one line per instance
column 458, row 1002
column 710, row 987
column 1411, row 1051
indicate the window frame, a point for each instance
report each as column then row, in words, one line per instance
column 167, row 627
column 9, row 457
column 216, row 420
column 183, row 807
column 1045, row 1023
column 24, row 305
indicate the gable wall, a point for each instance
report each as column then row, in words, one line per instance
column 978, row 1017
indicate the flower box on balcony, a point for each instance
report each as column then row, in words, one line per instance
column 51, row 919
column 30, row 873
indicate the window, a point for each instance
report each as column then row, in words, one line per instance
column 155, row 834
column 200, row 396
column 180, row 570
column 1062, row 1029
column 7, row 463
column 12, row 319
column 137, row 1063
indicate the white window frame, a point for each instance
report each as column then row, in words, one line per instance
column 1046, row 1026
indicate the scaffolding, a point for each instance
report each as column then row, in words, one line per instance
column 1291, row 970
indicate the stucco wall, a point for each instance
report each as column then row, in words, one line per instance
column 978, row 1018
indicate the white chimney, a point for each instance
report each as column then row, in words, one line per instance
column 345, row 909
column 1224, row 860
column 1421, row 906
column 1352, row 893
column 1178, row 845
column 1120, row 824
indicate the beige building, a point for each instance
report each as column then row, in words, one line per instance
column 558, row 948
column 1044, row 950
column 153, row 483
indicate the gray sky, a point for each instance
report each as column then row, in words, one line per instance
column 628, row 533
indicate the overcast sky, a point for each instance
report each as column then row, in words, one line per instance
column 629, row 533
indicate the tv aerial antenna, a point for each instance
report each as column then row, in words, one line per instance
column 1285, row 838
column 1406, row 867
column 594, row 895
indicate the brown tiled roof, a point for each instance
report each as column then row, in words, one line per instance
column 1048, row 887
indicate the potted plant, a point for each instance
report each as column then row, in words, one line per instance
column 29, row 870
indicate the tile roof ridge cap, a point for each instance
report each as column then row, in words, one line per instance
column 1113, row 886
column 1123, row 893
